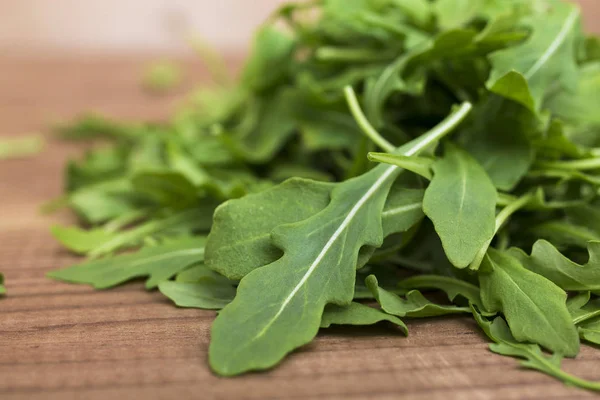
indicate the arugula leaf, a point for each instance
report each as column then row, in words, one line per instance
column 240, row 239
column 2, row 287
column 590, row 331
column 158, row 263
column 461, row 202
column 535, row 308
column 357, row 314
column 548, row 262
column 79, row 240
column 269, row 60
column 563, row 233
column 451, row 286
column 579, row 106
column 415, row 305
column 586, row 312
column 505, row 344
column 524, row 73
column 499, row 138
column 207, row 293
column 351, row 220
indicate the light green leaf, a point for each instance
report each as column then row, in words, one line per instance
column 579, row 106
column 461, row 202
column 269, row 60
column 524, row 73
column 414, row 306
column 79, row 240
column 455, row 13
column 18, row 147
column 590, row 331
column 534, row 307
column 418, row 165
column 2, row 287
column 158, row 263
column 586, row 312
column 547, row 261
column 207, row 293
column 279, row 307
column 357, row 314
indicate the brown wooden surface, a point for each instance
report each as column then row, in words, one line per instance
column 60, row 341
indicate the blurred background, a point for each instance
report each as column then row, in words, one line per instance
column 144, row 26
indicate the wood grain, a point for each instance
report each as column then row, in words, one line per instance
column 60, row 341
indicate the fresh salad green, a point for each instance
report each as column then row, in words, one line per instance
column 372, row 151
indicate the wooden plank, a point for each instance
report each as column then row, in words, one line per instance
column 61, row 341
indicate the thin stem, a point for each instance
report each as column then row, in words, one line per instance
column 565, row 376
column 579, row 165
column 364, row 123
column 501, row 218
column 330, row 53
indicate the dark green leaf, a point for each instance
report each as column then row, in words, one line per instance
column 534, row 307
column 357, row 314
column 414, row 306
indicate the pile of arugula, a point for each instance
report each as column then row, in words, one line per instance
column 451, row 143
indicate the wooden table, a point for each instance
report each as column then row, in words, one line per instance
column 61, row 341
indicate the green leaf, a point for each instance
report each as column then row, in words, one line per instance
column 2, row 287
column 451, row 286
column 419, row 165
column 524, row 73
column 18, row 147
column 499, row 139
column 269, row 60
column 158, row 263
column 79, row 240
column 586, row 312
column 562, row 233
column 167, row 188
column 274, row 125
column 579, row 106
column 590, row 331
column 404, row 76
column 207, row 293
column 455, row 13
column 240, row 239
column 285, row 299
column 534, row 307
column 505, row 344
column 414, row 306
column 461, row 202
column 548, row 262
column 357, row 314
column 576, row 302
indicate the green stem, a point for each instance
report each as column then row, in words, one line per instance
column 579, row 165
column 124, row 220
column 555, row 371
column 501, row 218
column 364, row 123
column 329, row 53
